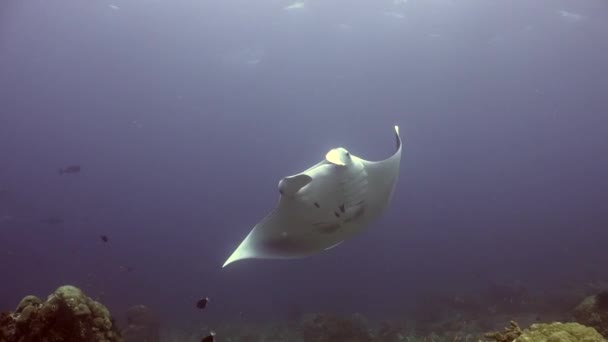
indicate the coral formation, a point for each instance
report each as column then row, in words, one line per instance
column 332, row 328
column 560, row 332
column 510, row 333
column 601, row 299
column 143, row 326
column 553, row 332
column 591, row 312
column 66, row 315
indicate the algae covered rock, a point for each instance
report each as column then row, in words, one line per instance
column 67, row 315
column 560, row 332
column 593, row 312
column 509, row 334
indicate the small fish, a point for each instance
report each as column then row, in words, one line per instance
column 127, row 269
column 201, row 304
column 209, row 338
column 70, row 169
column 104, row 238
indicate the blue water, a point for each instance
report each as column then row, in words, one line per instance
column 184, row 115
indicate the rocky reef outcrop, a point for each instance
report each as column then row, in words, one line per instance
column 66, row 315
column 593, row 312
column 547, row 332
column 560, row 332
column 142, row 325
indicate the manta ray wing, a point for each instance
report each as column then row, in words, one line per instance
column 382, row 177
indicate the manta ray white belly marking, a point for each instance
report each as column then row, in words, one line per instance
column 322, row 206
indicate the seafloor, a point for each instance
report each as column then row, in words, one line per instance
column 70, row 315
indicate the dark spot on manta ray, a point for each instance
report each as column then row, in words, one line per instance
column 317, row 205
column 342, row 208
column 328, row 228
column 356, row 215
column 336, row 213
column 284, row 244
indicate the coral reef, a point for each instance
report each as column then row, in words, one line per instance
column 142, row 325
column 560, row 332
column 601, row 300
column 391, row 331
column 592, row 312
column 510, row 333
column 333, row 328
column 354, row 328
column 553, row 332
column 67, row 315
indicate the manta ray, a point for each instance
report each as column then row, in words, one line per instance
column 321, row 207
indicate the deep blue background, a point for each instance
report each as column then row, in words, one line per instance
column 185, row 114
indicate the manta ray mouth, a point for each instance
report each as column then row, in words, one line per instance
column 333, row 227
column 284, row 245
column 327, row 228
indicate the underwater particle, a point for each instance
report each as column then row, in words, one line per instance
column 209, row 338
column 344, row 27
column 114, row 7
column 52, row 220
column 104, row 238
column 137, row 124
column 70, row 169
column 395, row 15
column 570, row 16
column 127, row 269
column 298, row 5
column 201, row 304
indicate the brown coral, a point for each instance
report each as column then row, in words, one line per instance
column 66, row 315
